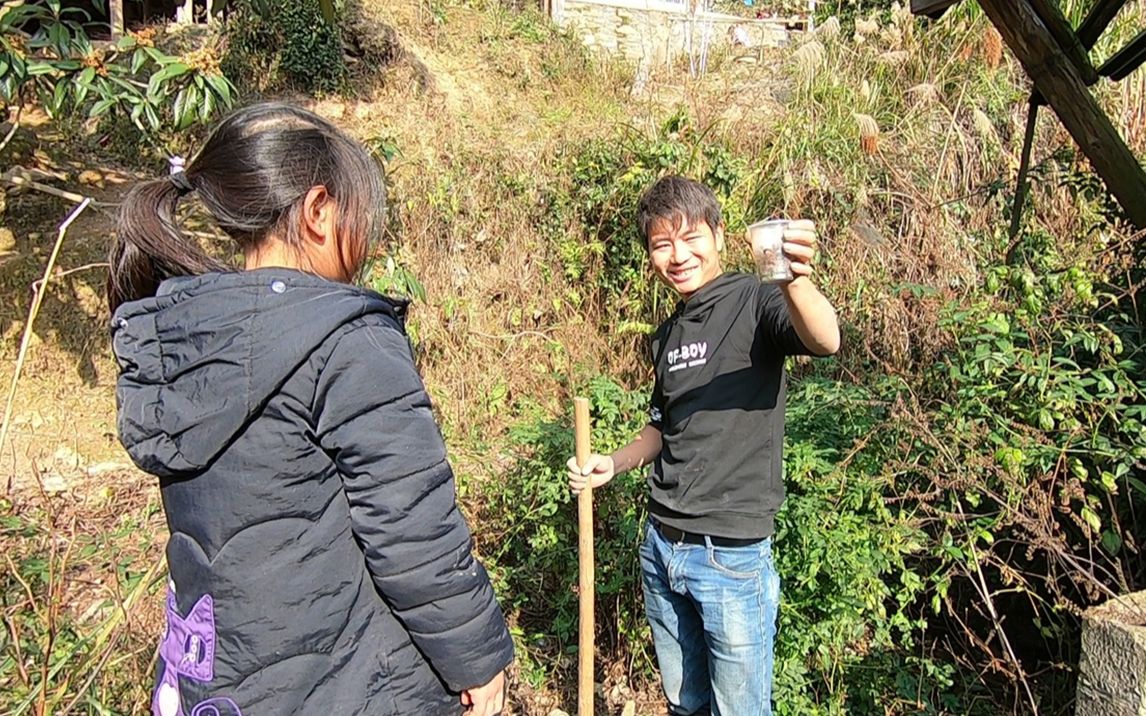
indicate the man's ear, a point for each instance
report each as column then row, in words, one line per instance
column 720, row 238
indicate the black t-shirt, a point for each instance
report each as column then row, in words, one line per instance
column 718, row 401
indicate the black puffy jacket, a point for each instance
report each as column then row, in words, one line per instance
column 318, row 561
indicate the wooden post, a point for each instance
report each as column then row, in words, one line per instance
column 1059, row 82
column 115, row 18
column 586, row 626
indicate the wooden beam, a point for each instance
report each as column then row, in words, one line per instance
column 1126, row 60
column 1058, row 80
column 931, row 8
column 1097, row 20
column 1060, row 29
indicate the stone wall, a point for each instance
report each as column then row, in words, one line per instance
column 658, row 30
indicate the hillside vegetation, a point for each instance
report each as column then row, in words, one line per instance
column 965, row 477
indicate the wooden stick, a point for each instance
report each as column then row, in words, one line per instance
column 27, row 339
column 585, row 646
column 20, row 180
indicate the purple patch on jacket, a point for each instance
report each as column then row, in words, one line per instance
column 188, row 650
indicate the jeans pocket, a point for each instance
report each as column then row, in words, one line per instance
column 737, row 562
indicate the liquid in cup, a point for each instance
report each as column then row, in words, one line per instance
column 767, row 240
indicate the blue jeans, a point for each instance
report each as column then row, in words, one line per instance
column 713, row 616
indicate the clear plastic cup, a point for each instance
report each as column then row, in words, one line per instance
column 767, row 241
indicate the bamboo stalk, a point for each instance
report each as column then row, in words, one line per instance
column 586, row 626
column 33, row 311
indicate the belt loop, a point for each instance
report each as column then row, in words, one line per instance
column 708, row 542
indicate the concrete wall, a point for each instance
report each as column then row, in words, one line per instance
column 659, row 30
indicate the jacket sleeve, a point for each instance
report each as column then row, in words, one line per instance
column 373, row 417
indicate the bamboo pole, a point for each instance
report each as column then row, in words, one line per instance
column 33, row 311
column 585, row 645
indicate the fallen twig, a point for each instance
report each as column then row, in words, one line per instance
column 15, row 126
column 27, row 337
column 22, row 180
column 60, row 274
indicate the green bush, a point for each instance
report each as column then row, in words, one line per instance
column 605, row 180
column 846, row 630
column 47, row 56
column 529, row 535
column 273, row 44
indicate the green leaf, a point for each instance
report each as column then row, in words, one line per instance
column 81, row 92
column 179, row 108
column 59, row 96
column 168, row 72
column 1092, row 519
column 1111, row 542
column 185, row 116
column 207, row 106
column 100, row 108
column 39, row 67
column 152, row 117
column 86, row 76
column 222, row 87
column 137, row 60
column 1137, row 484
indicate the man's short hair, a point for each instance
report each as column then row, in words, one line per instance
column 674, row 197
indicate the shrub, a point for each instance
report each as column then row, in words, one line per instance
column 273, row 44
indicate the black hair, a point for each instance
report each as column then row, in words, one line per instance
column 673, row 198
column 252, row 175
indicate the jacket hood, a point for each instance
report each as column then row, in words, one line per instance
column 201, row 358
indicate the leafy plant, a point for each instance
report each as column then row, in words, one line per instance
column 283, row 43
column 46, row 54
column 529, row 537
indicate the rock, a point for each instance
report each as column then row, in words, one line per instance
column 630, row 708
column 7, row 240
column 67, row 457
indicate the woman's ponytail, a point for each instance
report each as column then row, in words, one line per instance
column 148, row 246
column 252, row 176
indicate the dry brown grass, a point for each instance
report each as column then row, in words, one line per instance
column 482, row 116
